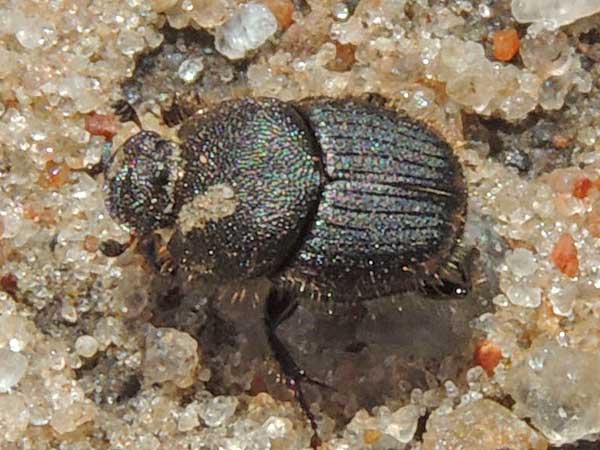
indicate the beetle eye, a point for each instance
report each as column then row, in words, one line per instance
column 162, row 178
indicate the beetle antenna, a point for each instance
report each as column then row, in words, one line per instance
column 127, row 113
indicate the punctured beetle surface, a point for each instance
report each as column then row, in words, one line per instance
column 262, row 156
column 392, row 208
column 342, row 198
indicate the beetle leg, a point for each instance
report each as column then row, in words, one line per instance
column 127, row 113
column 374, row 99
column 151, row 246
column 278, row 308
column 112, row 248
column 456, row 276
column 95, row 169
column 180, row 110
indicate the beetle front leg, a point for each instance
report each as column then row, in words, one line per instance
column 279, row 307
column 180, row 109
column 127, row 113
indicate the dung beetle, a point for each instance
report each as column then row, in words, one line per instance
column 331, row 199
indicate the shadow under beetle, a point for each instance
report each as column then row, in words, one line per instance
column 331, row 199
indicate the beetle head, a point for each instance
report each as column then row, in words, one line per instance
column 140, row 182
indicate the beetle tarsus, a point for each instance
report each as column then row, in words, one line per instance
column 278, row 308
column 456, row 276
column 93, row 170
